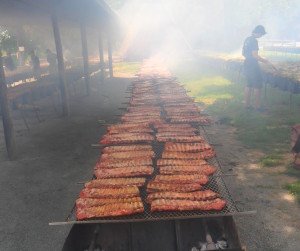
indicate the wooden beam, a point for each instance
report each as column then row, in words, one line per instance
column 60, row 65
column 6, row 118
column 101, row 56
column 85, row 57
column 110, row 63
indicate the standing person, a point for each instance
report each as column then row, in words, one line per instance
column 252, row 69
column 35, row 62
column 9, row 62
column 51, row 58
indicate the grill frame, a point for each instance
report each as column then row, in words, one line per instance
column 216, row 184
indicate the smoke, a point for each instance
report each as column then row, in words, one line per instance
column 173, row 27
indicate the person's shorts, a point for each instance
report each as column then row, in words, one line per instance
column 253, row 74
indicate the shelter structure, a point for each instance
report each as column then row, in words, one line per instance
column 95, row 14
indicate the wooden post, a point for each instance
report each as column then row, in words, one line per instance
column 101, row 56
column 60, row 65
column 6, row 118
column 109, row 49
column 85, row 57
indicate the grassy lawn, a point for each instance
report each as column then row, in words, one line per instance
column 280, row 56
column 294, row 188
column 129, row 68
column 268, row 132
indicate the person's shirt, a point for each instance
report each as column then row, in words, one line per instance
column 250, row 45
column 51, row 58
column 35, row 62
column 9, row 63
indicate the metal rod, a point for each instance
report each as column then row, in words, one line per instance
column 96, row 145
column 101, row 56
column 216, row 176
column 85, row 57
column 110, row 60
column 60, row 65
column 216, row 144
column 6, row 117
column 153, row 219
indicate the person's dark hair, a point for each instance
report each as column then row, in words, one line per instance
column 259, row 29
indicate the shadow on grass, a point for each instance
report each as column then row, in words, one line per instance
column 294, row 187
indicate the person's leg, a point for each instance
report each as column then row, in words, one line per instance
column 257, row 97
column 247, row 96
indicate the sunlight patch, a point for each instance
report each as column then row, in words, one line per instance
column 254, row 166
column 242, row 177
column 289, row 229
column 288, row 197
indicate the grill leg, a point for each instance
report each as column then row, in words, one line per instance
column 130, row 237
column 24, row 119
column 178, row 235
column 94, row 240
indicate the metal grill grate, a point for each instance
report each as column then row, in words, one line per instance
column 216, row 184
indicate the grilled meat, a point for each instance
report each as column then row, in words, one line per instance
column 117, row 209
column 123, row 192
column 182, row 178
column 155, row 186
column 92, row 202
column 115, row 182
column 187, row 147
column 135, row 171
column 198, row 195
column 128, row 155
column 179, row 162
column 183, row 205
column 202, row 169
column 179, row 155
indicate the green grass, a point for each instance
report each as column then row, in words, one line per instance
column 271, row 160
column 294, row 188
column 280, row 56
column 209, row 89
column 127, row 67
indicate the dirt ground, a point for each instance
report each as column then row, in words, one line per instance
column 41, row 185
column 276, row 224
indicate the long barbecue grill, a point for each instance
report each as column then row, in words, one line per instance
column 216, row 184
column 216, row 224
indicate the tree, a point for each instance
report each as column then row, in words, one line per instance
column 8, row 42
